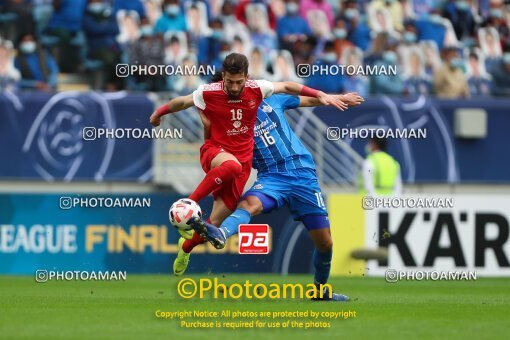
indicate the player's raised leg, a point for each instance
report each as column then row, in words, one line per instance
column 224, row 167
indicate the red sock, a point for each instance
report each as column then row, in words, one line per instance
column 215, row 178
column 188, row 245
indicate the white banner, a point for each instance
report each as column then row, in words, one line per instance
column 473, row 235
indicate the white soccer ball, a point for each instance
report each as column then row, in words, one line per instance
column 182, row 211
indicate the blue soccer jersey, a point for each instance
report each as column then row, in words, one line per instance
column 277, row 148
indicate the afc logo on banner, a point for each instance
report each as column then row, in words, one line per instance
column 253, row 239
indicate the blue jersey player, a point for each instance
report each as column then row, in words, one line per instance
column 286, row 175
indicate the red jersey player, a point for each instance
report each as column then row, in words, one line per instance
column 229, row 110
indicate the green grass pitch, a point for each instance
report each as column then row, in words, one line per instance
column 126, row 309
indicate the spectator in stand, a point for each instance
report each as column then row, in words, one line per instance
column 354, row 82
column 340, row 35
column 461, row 17
column 39, row 71
column 172, row 19
column 258, row 65
column 431, row 56
column 9, row 75
column 130, row 5
column 101, row 29
column 210, row 46
column 231, row 26
column 240, row 11
column 416, row 82
column 321, row 5
column 283, row 67
column 497, row 20
column 65, row 24
column 388, row 83
column 479, row 82
column 291, row 27
column 261, row 35
column 149, row 49
column 217, row 62
column 410, row 34
column 501, row 75
column 395, row 10
column 431, row 28
column 491, row 45
column 450, row 80
column 359, row 33
column 381, row 42
column 186, row 83
column 328, row 83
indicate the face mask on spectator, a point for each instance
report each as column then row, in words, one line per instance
column 340, row 33
column 27, row 47
column 456, row 62
column 496, row 13
column 462, row 5
column 390, row 57
column 351, row 13
column 330, row 57
column 146, row 30
column 96, row 7
column 469, row 42
column 506, row 58
column 217, row 34
column 410, row 37
column 292, row 8
column 435, row 18
column 223, row 55
column 172, row 10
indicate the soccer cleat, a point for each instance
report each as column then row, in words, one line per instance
column 182, row 260
column 208, row 232
column 334, row 296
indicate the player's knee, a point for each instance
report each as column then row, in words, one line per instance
column 233, row 167
column 324, row 245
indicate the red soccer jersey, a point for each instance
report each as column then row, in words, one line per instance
column 232, row 120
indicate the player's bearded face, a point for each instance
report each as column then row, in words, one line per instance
column 234, row 83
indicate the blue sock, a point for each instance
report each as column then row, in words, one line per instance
column 322, row 264
column 230, row 224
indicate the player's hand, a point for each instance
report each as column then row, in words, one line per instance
column 155, row 119
column 352, row 98
column 327, row 99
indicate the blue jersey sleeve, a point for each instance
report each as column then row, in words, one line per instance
column 290, row 102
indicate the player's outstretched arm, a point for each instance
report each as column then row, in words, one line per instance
column 290, row 87
column 351, row 99
column 175, row 105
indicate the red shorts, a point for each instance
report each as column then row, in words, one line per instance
column 229, row 192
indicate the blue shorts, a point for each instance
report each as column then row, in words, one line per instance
column 299, row 189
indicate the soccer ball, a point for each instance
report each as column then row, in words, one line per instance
column 182, row 211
